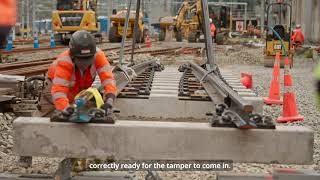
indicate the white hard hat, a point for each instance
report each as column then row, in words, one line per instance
column 298, row 26
column 210, row 20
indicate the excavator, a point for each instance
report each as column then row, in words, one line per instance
column 188, row 22
column 74, row 15
column 118, row 23
column 180, row 23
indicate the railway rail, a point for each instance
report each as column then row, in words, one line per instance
column 36, row 67
column 30, row 50
column 47, row 48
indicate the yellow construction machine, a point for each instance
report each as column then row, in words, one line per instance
column 118, row 24
column 188, row 22
column 180, row 24
column 166, row 25
column 74, row 15
column 278, row 33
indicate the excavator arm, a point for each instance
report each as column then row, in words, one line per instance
column 182, row 13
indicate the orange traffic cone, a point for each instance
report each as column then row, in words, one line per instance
column 148, row 41
column 289, row 113
column 246, row 80
column 274, row 91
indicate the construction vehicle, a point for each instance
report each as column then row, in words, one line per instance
column 74, row 15
column 188, row 22
column 278, row 35
column 180, row 24
column 166, row 25
column 118, row 24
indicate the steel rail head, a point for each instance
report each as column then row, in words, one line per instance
column 231, row 110
column 224, row 90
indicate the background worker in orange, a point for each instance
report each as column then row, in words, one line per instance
column 8, row 15
column 212, row 29
column 75, row 70
column 297, row 36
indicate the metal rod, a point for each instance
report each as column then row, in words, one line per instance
column 54, row 6
column 226, row 3
column 135, row 31
column 22, row 17
column 124, row 35
column 245, row 16
column 230, row 23
column 262, row 15
column 308, row 21
column 33, row 16
column 280, row 14
column 28, row 19
column 207, row 35
column 143, row 7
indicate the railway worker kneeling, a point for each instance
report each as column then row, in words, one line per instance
column 75, row 70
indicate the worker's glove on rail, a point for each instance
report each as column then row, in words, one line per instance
column 68, row 111
column 108, row 108
column 64, row 115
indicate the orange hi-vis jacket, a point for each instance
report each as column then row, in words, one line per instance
column 67, row 80
column 212, row 29
column 8, row 12
column 298, row 36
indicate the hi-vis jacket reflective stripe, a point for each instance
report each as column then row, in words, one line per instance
column 67, row 80
column 8, row 12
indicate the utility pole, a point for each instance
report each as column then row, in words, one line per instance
column 22, row 17
column 208, row 39
column 307, row 21
column 262, row 15
column 33, row 16
column 124, row 35
column 143, row 7
column 28, row 18
column 111, row 7
column 135, row 29
column 53, row 5
column 165, row 5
